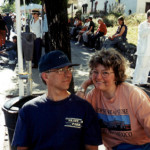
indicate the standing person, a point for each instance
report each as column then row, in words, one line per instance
column 36, row 28
column 57, row 120
column 3, row 29
column 102, row 30
column 89, row 32
column 45, row 31
column 143, row 53
column 119, row 36
column 9, row 24
column 123, row 109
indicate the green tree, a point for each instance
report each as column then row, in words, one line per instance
column 8, row 7
column 58, row 27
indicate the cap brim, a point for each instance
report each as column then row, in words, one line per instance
column 64, row 65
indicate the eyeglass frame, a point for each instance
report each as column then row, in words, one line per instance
column 61, row 70
column 103, row 75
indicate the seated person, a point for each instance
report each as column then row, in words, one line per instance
column 85, row 27
column 119, row 36
column 77, row 26
column 89, row 32
column 102, row 30
column 12, row 51
column 123, row 109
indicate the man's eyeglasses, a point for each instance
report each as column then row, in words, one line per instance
column 104, row 74
column 34, row 13
column 62, row 70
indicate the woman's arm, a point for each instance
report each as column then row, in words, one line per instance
column 121, row 32
column 84, row 86
column 22, row 148
column 6, row 28
column 91, row 147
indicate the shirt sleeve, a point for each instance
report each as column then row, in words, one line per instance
column 92, row 132
column 22, row 134
column 141, row 107
column 143, row 31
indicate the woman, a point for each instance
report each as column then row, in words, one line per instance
column 119, row 36
column 123, row 109
column 3, row 29
column 36, row 28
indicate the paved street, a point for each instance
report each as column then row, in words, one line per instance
column 9, row 84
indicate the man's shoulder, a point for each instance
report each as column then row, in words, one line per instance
column 79, row 101
column 35, row 101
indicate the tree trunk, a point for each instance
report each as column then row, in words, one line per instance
column 58, row 28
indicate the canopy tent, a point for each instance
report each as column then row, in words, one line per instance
column 31, row 6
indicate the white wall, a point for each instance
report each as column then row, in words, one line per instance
column 130, row 4
column 141, row 5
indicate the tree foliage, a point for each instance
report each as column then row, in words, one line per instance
column 27, row 1
column 58, row 25
column 8, row 7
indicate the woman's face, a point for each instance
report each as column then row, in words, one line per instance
column 99, row 21
column 103, row 78
column 120, row 22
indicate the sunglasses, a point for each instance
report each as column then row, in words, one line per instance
column 34, row 13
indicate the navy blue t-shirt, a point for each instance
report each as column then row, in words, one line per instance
column 69, row 124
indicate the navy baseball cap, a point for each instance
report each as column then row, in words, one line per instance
column 53, row 60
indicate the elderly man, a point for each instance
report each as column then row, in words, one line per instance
column 57, row 120
column 143, row 53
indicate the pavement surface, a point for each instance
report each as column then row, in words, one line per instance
column 9, row 83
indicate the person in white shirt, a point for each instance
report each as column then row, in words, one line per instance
column 142, row 69
column 36, row 28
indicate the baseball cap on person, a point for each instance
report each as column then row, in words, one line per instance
column 53, row 60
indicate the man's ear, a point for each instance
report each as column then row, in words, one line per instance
column 44, row 76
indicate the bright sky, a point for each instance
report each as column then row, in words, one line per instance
column 1, row 2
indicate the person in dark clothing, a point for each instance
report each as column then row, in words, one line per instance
column 89, row 32
column 12, row 51
column 9, row 24
column 119, row 36
column 102, row 30
column 3, row 29
column 57, row 120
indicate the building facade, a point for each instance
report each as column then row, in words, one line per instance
column 130, row 6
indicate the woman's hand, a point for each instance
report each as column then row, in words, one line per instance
column 84, row 86
column 87, row 83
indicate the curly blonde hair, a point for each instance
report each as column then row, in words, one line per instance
column 110, row 58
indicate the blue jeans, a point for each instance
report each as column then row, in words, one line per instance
column 12, row 55
column 125, row 146
column 111, row 43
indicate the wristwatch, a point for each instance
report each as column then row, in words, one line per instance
column 80, row 89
